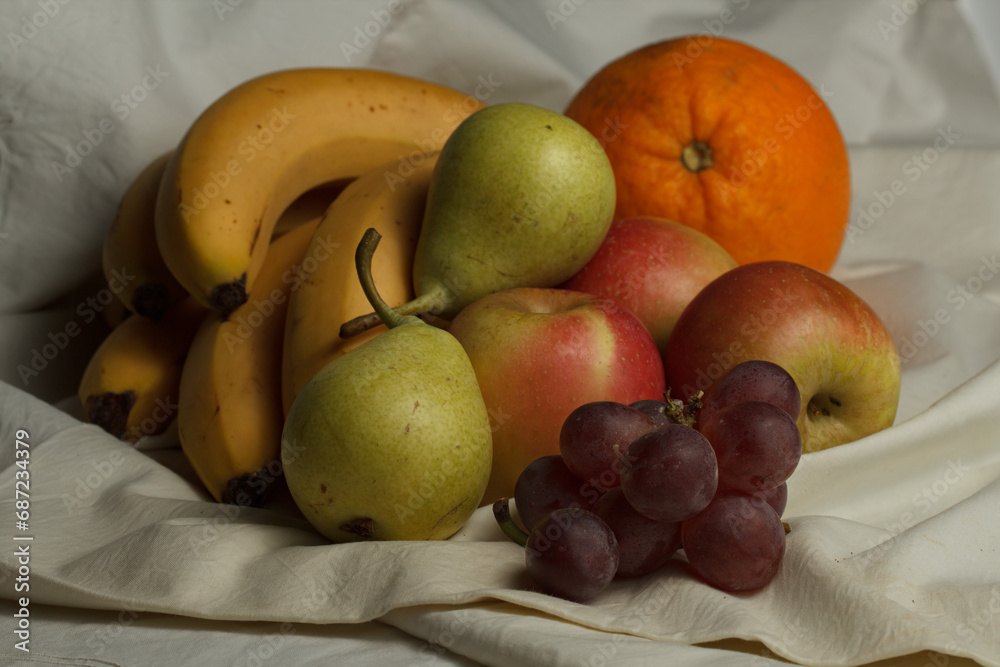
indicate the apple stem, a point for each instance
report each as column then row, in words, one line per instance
column 501, row 511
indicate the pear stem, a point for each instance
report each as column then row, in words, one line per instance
column 501, row 512
column 363, row 262
column 362, row 323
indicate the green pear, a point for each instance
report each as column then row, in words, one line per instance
column 392, row 440
column 521, row 196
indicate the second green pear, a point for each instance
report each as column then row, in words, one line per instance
column 521, row 196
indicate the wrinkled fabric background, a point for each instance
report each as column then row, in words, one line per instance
column 893, row 551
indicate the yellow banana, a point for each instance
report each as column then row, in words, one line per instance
column 130, row 384
column 330, row 292
column 132, row 263
column 229, row 415
column 262, row 144
column 131, row 259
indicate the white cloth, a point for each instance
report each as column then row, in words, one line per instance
column 893, row 549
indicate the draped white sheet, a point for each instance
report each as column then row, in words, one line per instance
column 893, row 549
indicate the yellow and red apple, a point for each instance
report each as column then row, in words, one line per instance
column 653, row 267
column 539, row 354
column 830, row 341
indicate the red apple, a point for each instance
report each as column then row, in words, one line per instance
column 539, row 354
column 834, row 346
column 653, row 267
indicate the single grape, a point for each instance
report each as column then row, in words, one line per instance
column 670, row 473
column 644, row 545
column 572, row 554
column 655, row 410
column 757, row 445
column 594, row 438
column 777, row 497
column 546, row 484
column 735, row 544
column 755, row 380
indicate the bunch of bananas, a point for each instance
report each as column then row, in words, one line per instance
column 237, row 300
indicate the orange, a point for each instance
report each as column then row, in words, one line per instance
column 727, row 139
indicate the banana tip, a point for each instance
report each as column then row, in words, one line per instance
column 152, row 301
column 229, row 296
column 110, row 411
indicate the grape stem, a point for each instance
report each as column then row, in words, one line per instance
column 501, row 511
column 680, row 412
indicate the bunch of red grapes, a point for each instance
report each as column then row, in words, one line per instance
column 633, row 484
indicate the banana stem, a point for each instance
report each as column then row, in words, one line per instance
column 363, row 262
column 501, row 512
